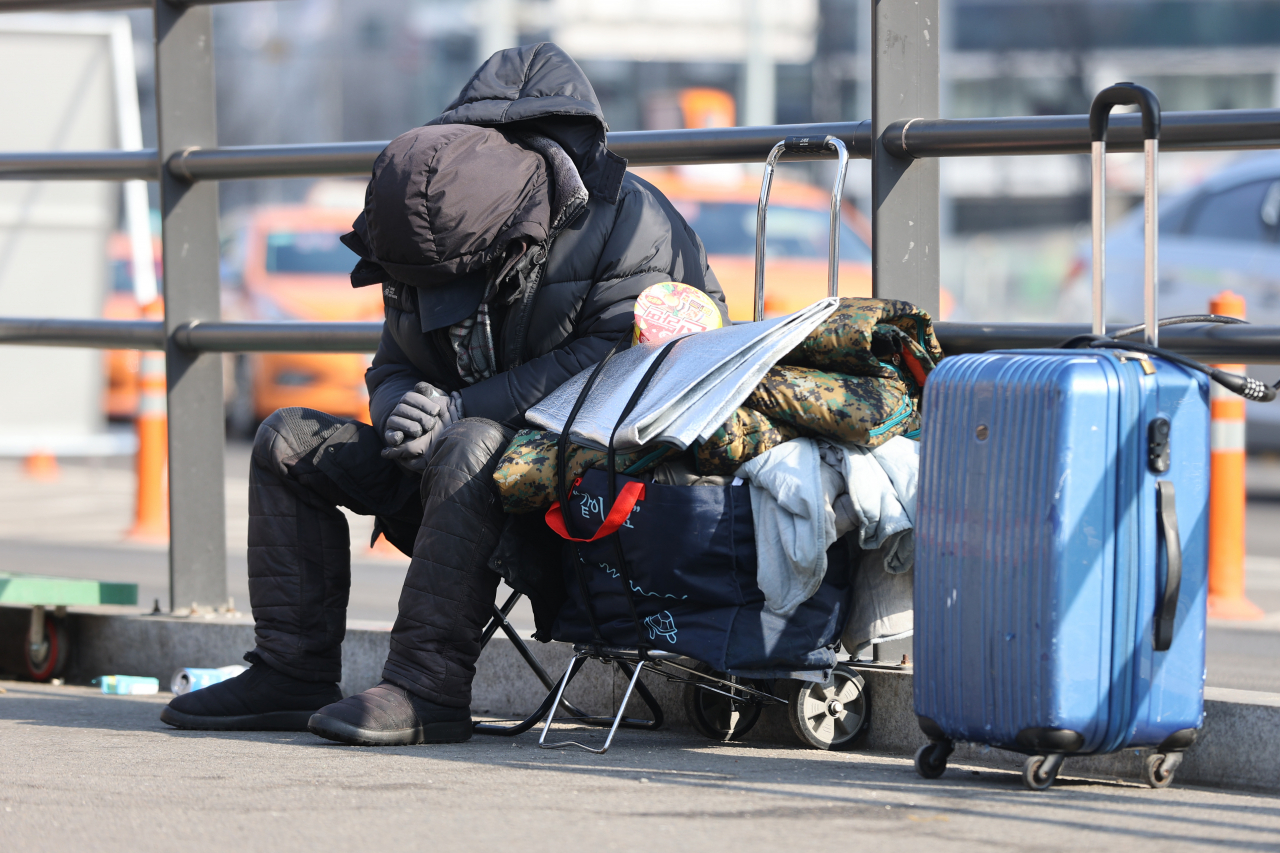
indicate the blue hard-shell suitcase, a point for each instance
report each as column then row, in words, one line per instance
column 1061, row 552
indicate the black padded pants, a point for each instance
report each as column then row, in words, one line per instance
column 305, row 465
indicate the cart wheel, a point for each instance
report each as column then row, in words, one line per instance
column 833, row 716
column 48, row 659
column 931, row 760
column 713, row 714
column 1158, row 768
column 1039, row 771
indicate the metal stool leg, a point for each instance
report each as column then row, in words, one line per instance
column 499, row 620
column 575, row 664
column 654, row 708
column 525, row 724
column 523, row 649
column 617, row 720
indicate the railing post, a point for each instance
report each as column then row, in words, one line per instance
column 904, row 85
column 185, row 115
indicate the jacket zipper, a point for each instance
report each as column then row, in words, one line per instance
column 902, row 413
column 514, row 356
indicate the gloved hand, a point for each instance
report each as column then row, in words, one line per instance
column 416, row 422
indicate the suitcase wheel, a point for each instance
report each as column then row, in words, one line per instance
column 1039, row 771
column 1158, row 768
column 931, row 759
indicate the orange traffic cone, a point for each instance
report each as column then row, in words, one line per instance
column 41, row 465
column 151, row 511
column 1227, row 488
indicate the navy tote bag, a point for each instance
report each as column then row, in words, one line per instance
column 673, row 568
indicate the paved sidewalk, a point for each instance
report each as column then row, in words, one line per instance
column 86, row 771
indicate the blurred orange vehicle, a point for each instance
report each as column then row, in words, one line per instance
column 724, row 215
column 121, row 365
column 294, row 267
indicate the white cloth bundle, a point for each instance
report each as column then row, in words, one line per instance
column 805, row 494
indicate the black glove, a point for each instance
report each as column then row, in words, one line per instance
column 416, row 422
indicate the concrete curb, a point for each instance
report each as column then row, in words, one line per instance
column 1237, row 749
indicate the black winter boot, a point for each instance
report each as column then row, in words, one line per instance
column 258, row 700
column 389, row 715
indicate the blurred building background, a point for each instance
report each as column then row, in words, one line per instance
column 324, row 70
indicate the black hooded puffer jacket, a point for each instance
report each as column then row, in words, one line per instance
column 580, row 300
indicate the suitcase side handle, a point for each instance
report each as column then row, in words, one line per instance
column 1123, row 94
column 801, row 145
column 1167, row 604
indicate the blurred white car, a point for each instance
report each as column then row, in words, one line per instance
column 1222, row 235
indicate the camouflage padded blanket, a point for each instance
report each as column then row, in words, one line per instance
column 526, row 474
column 855, row 338
column 856, row 379
column 798, row 401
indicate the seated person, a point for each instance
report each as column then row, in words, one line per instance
column 510, row 246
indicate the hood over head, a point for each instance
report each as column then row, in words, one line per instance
column 538, row 89
column 447, row 201
column 512, row 160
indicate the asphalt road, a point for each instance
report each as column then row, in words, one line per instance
column 86, row 771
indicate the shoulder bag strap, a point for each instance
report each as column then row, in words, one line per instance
column 562, row 492
column 623, row 569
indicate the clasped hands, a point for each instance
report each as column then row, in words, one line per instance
column 416, row 422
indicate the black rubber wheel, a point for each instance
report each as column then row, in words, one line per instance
column 712, row 713
column 931, row 760
column 833, row 716
column 1154, row 771
column 1034, row 775
column 50, row 659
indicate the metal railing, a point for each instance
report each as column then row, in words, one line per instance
column 1243, row 344
column 903, row 140
column 1204, row 130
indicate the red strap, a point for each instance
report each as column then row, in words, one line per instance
column 631, row 494
column 913, row 364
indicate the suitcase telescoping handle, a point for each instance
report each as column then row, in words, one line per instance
column 1125, row 94
column 1099, row 116
column 801, row 145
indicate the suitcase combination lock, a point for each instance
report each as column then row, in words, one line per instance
column 1158, row 445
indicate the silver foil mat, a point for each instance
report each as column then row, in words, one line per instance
column 706, row 377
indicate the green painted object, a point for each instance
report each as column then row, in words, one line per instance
column 41, row 589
